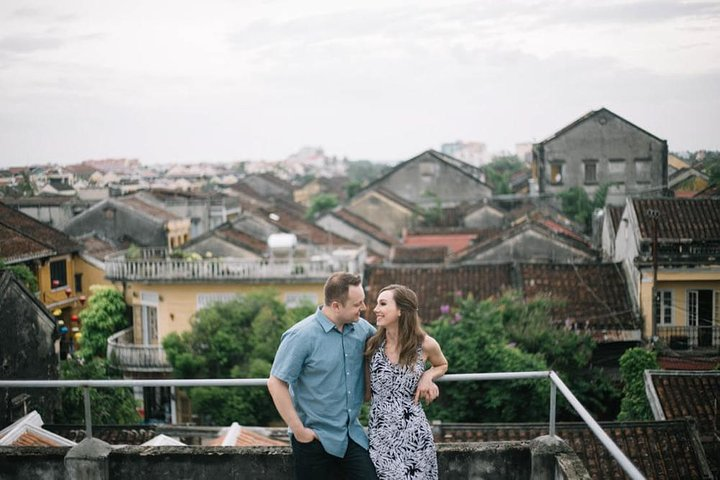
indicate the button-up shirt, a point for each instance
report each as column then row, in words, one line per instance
column 325, row 369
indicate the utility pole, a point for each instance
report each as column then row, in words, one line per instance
column 654, row 214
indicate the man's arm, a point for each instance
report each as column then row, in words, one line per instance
column 280, row 393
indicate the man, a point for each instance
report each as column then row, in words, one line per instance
column 317, row 382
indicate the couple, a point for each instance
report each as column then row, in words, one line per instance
column 319, row 377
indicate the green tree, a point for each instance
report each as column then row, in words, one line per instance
column 104, row 316
column 499, row 171
column 633, row 364
column 320, row 204
column 235, row 339
column 24, row 274
column 432, row 216
column 506, row 335
column 577, row 205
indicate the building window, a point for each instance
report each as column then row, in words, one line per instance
column 428, row 169
column 78, row 282
column 643, row 170
column 616, row 170
column 149, row 317
column 58, row 274
column 590, row 172
column 662, row 308
column 556, row 173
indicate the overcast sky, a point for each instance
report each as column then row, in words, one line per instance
column 215, row 80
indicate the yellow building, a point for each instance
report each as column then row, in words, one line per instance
column 671, row 250
column 63, row 274
column 166, row 290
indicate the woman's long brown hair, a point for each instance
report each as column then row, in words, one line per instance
column 410, row 333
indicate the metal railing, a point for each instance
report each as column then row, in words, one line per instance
column 686, row 337
column 555, row 384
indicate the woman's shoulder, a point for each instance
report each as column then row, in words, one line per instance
column 429, row 343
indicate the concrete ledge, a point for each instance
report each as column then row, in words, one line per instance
column 486, row 460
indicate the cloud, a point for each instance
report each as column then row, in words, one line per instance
column 29, row 43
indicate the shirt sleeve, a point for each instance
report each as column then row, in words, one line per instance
column 290, row 357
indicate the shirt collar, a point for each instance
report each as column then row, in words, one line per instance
column 326, row 324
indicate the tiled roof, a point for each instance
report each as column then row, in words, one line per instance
column 592, row 295
column 453, row 241
column 712, row 191
column 15, row 247
column 675, row 394
column 240, row 239
column 545, row 227
column 660, row 450
column 438, row 285
column 112, row 434
column 28, row 431
column 23, row 235
column 138, row 205
column 238, row 436
column 695, row 219
column 688, row 394
column 306, row 231
column 688, row 363
column 418, row 254
column 97, row 247
column 40, row 200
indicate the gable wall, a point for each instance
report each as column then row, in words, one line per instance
column 428, row 174
column 615, row 139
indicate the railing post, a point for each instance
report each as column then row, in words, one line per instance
column 553, row 404
column 88, row 417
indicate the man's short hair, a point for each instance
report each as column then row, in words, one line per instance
column 337, row 286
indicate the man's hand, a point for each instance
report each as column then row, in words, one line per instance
column 426, row 389
column 305, row 435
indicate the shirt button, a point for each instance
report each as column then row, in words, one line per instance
column 347, row 373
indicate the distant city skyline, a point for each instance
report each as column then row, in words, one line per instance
column 225, row 81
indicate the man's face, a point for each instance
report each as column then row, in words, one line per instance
column 354, row 305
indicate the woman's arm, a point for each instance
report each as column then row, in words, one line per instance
column 427, row 389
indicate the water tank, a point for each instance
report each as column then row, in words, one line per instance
column 282, row 241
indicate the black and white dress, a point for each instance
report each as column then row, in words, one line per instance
column 401, row 441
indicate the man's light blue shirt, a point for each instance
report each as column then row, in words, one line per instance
column 325, row 370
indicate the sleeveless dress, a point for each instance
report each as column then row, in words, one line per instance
column 401, row 440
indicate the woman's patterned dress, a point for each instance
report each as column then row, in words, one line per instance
column 401, row 441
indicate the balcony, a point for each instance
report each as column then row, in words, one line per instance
column 690, row 338
column 124, row 355
column 157, row 264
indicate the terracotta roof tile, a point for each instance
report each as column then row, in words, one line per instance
column 136, row 204
column 31, row 234
column 689, row 394
column 696, row 219
column 418, row 254
column 112, row 434
column 660, row 450
column 592, row 295
column 454, row 241
column 437, row 286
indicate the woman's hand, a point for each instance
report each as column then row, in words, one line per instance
column 426, row 389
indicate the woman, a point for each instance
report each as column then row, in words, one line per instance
column 401, row 441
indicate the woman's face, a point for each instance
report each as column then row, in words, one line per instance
column 386, row 310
